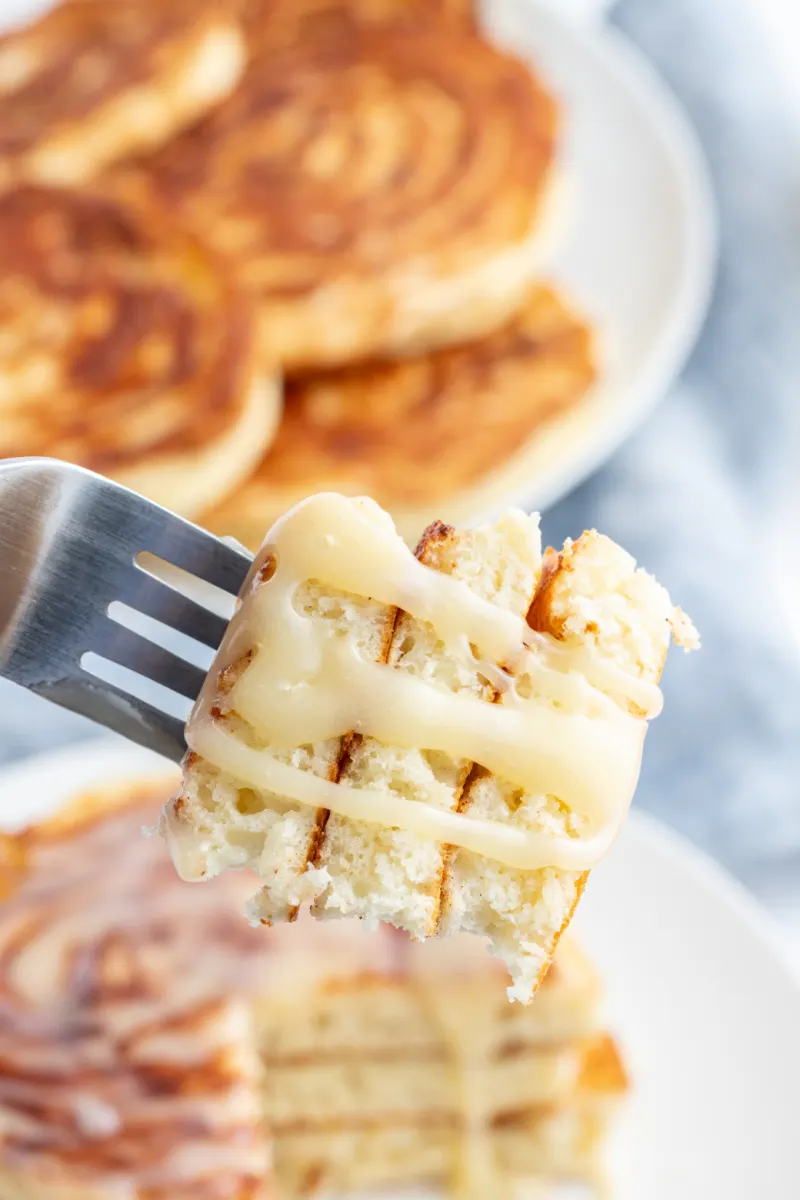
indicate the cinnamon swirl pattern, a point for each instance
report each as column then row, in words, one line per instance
column 283, row 22
column 124, row 348
column 408, row 432
column 89, row 83
column 381, row 192
column 127, row 1063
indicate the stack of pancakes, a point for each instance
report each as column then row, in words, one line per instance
column 149, row 1049
column 208, row 206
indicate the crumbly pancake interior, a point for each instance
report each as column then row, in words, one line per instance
column 376, row 820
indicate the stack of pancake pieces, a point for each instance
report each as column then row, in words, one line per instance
column 154, row 1050
column 254, row 249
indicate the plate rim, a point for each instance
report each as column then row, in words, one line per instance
column 589, row 449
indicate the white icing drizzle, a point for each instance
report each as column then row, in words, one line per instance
column 564, row 733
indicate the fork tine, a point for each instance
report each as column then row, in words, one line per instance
column 109, row 705
column 162, row 602
column 184, row 545
column 128, row 649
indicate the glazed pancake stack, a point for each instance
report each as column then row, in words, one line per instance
column 417, row 1071
column 360, row 194
column 150, row 1042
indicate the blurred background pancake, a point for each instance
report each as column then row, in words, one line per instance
column 283, row 22
column 125, row 348
column 93, row 81
column 355, row 210
column 412, row 432
column 125, row 1032
column 380, row 188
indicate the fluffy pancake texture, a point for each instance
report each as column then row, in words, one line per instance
column 416, row 431
column 125, row 348
column 589, row 602
column 91, row 82
column 381, row 191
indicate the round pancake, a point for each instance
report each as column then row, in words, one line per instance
column 415, row 433
column 91, row 82
column 381, row 191
column 124, row 348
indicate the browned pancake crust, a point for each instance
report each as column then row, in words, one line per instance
column 280, row 23
column 122, row 340
column 414, row 430
column 60, row 71
column 345, row 171
column 102, row 949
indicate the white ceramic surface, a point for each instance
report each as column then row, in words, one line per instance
column 707, row 1012
column 639, row 252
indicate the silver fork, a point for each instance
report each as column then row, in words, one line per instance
column 84, row 563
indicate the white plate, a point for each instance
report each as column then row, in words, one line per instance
column 706, row 1010
column 639, row 248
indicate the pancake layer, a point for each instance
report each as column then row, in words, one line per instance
column 416, row 431
column 381, row 191
column 92, row 82
column 124, row 348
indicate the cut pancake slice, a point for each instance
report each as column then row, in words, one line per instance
column 369, row 1001
column 382, row 192
column 363, row 697
column 419, row 433
column 125, row 348
column 363, row 1080
column 90, row 83
column 546, row 1143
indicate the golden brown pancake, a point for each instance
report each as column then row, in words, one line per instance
column 92, row 82
column 380, row 191
column 127, row 1062
column 282, row 22
column 414, row 431
column 124, row 348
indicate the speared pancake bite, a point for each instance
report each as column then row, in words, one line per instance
column 446, row 741
column 417, row 430
column 125, row 348
column 382, row 191
column 93, row 81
